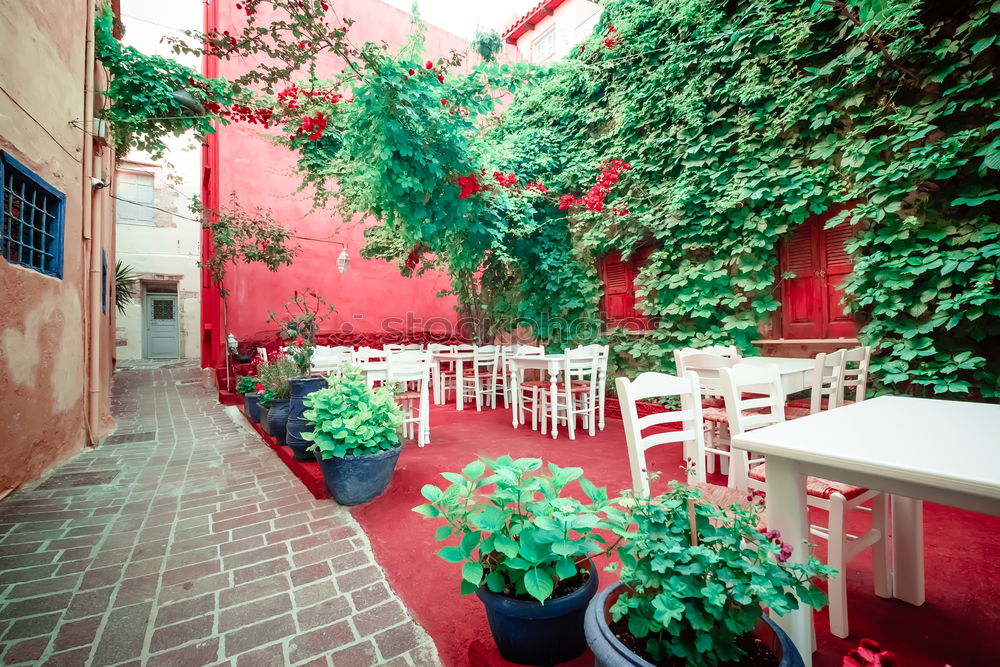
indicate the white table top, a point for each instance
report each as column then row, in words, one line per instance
column 454, row 356
column 951, row 445
column 784, row 364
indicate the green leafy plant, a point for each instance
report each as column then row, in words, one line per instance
column 246, row 384
column 124, row 285
column 349, row 418
column 520, row 534
column 304, row 315
column 697, row 575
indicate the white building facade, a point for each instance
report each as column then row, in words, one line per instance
column 157, row 234
column 550, row 29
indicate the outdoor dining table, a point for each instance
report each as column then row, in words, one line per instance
column 549, row 364
column 375, row 371
column 438, row 387
column 796, row 374
column 947, row 452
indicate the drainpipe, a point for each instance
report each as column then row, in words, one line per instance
column 91, row 233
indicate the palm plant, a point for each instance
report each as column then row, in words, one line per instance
column 124, row 285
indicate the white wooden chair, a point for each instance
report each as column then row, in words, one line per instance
column 691, row 433
column 707, row 366
column 412, row 369
column 529, row 390
column 364, row 354
column 391, row 347
column 602, row 352
column 854, row 374
column 445, row 380
column 477, row 376
column 576, row 394
column 754, row 399
column 824, row 394
column 328, row 359
column 413, row 346
column 465, row 347
column 717, row 350
column 262, row 354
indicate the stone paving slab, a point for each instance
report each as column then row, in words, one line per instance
column 197, row 547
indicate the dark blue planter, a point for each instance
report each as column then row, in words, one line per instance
column 609, row 652
column 353, row 480
column 300, row 388
column 277, row 419
column 531, row 633
column 251, row 407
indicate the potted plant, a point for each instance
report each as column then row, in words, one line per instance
column 274, row 376
column 298, row 329
column 264, row 398
column 355, row 436
column 694, row 581
column 245, row 387
column 526, row 547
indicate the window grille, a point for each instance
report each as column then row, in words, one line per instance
column 31, row 232
column 135, row 198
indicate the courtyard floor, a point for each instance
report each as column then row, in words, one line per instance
column 183, row 541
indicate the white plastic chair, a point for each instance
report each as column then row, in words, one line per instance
column 854, row 374
column 764, row 407
column 691, row 434
column 476, row 377
column 412, row 368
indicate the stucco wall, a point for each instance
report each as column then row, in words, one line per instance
column 167, row 251
column 371, row 294
column 572, row 21
column 43, row 331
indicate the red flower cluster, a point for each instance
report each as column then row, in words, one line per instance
column 469, row 185
column 441, row 78
column 259, row 387
column 775, row 536
column 619, row 211
column 612, row 38
column 506, row 180
column 594, row 199
column 313, row 126
column 869, row 654
column 289, row 97
column 249, row 6
column 536, row 186
column 413, row 258
column 429, row 65
column 299, row 340
column 444, row 102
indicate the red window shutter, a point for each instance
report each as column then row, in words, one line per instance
column 838, row 265
column 639, row 260
column 802, row 294
column 619, row 297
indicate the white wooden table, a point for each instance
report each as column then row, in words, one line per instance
column 796, row 374
column 550, row 364
column 947, row 452
column 458, row 358
column 374, row 371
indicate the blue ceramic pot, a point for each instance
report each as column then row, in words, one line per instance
column 609, row 652
column 277, row 419
column 251, row 407
column 531, row 633
column 299, row 389
column 353, row 480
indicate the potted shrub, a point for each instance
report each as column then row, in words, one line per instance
column 274, row 376
column 526, row 547
column 264, row 398
column 694, row 581
column 354, row 431
column 245, row 386
column 299, row 327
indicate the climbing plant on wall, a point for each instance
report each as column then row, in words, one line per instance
column 709, row 130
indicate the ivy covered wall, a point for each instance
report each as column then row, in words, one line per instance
column 740, row 120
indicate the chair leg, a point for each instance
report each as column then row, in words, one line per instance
column 479, row 393
column 880, row 550
column 710, row 444
column 836, row 553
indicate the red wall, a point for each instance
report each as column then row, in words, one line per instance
column 371, row 295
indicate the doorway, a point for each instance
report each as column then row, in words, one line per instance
column 162, row 334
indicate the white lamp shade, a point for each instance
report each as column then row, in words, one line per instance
column 343, row 261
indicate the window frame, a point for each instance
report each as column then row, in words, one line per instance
column 7, row 161
column 535, row 58
column 122, row 174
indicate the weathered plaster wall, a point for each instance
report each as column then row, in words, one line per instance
column 43, row 334
column 372, row 294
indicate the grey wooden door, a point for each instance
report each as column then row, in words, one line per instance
column 162, row 334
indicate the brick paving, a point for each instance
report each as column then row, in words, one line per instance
column 184, row 541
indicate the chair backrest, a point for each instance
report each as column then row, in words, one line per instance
column 754, row 396
column 689, row 429
column 392, row 347
column 854, row 373
column 413, row 346
column 262, row 354
column 363, row 354
column 826, row 374
column 485, row 357
column 408, row 366
column 465, row 347
column 326, row 359
column 527, row 350
column 440, row 347
column 707, row 367
column 719, row 350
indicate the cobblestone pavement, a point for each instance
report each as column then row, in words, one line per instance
column 183, row 540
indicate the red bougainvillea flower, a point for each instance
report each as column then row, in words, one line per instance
column 506, row 180
column 444, row 102
column 412, row 72
column 299, row 340
column 536, row 186
column 312, row 293
column 441, row 78
column 259, row 387
column 469, row 185
column 566, row 201
column 611, row 38
column 429, row 65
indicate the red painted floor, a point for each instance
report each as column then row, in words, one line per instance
column 958, row 625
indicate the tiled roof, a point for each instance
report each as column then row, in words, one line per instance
column 529, row 20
